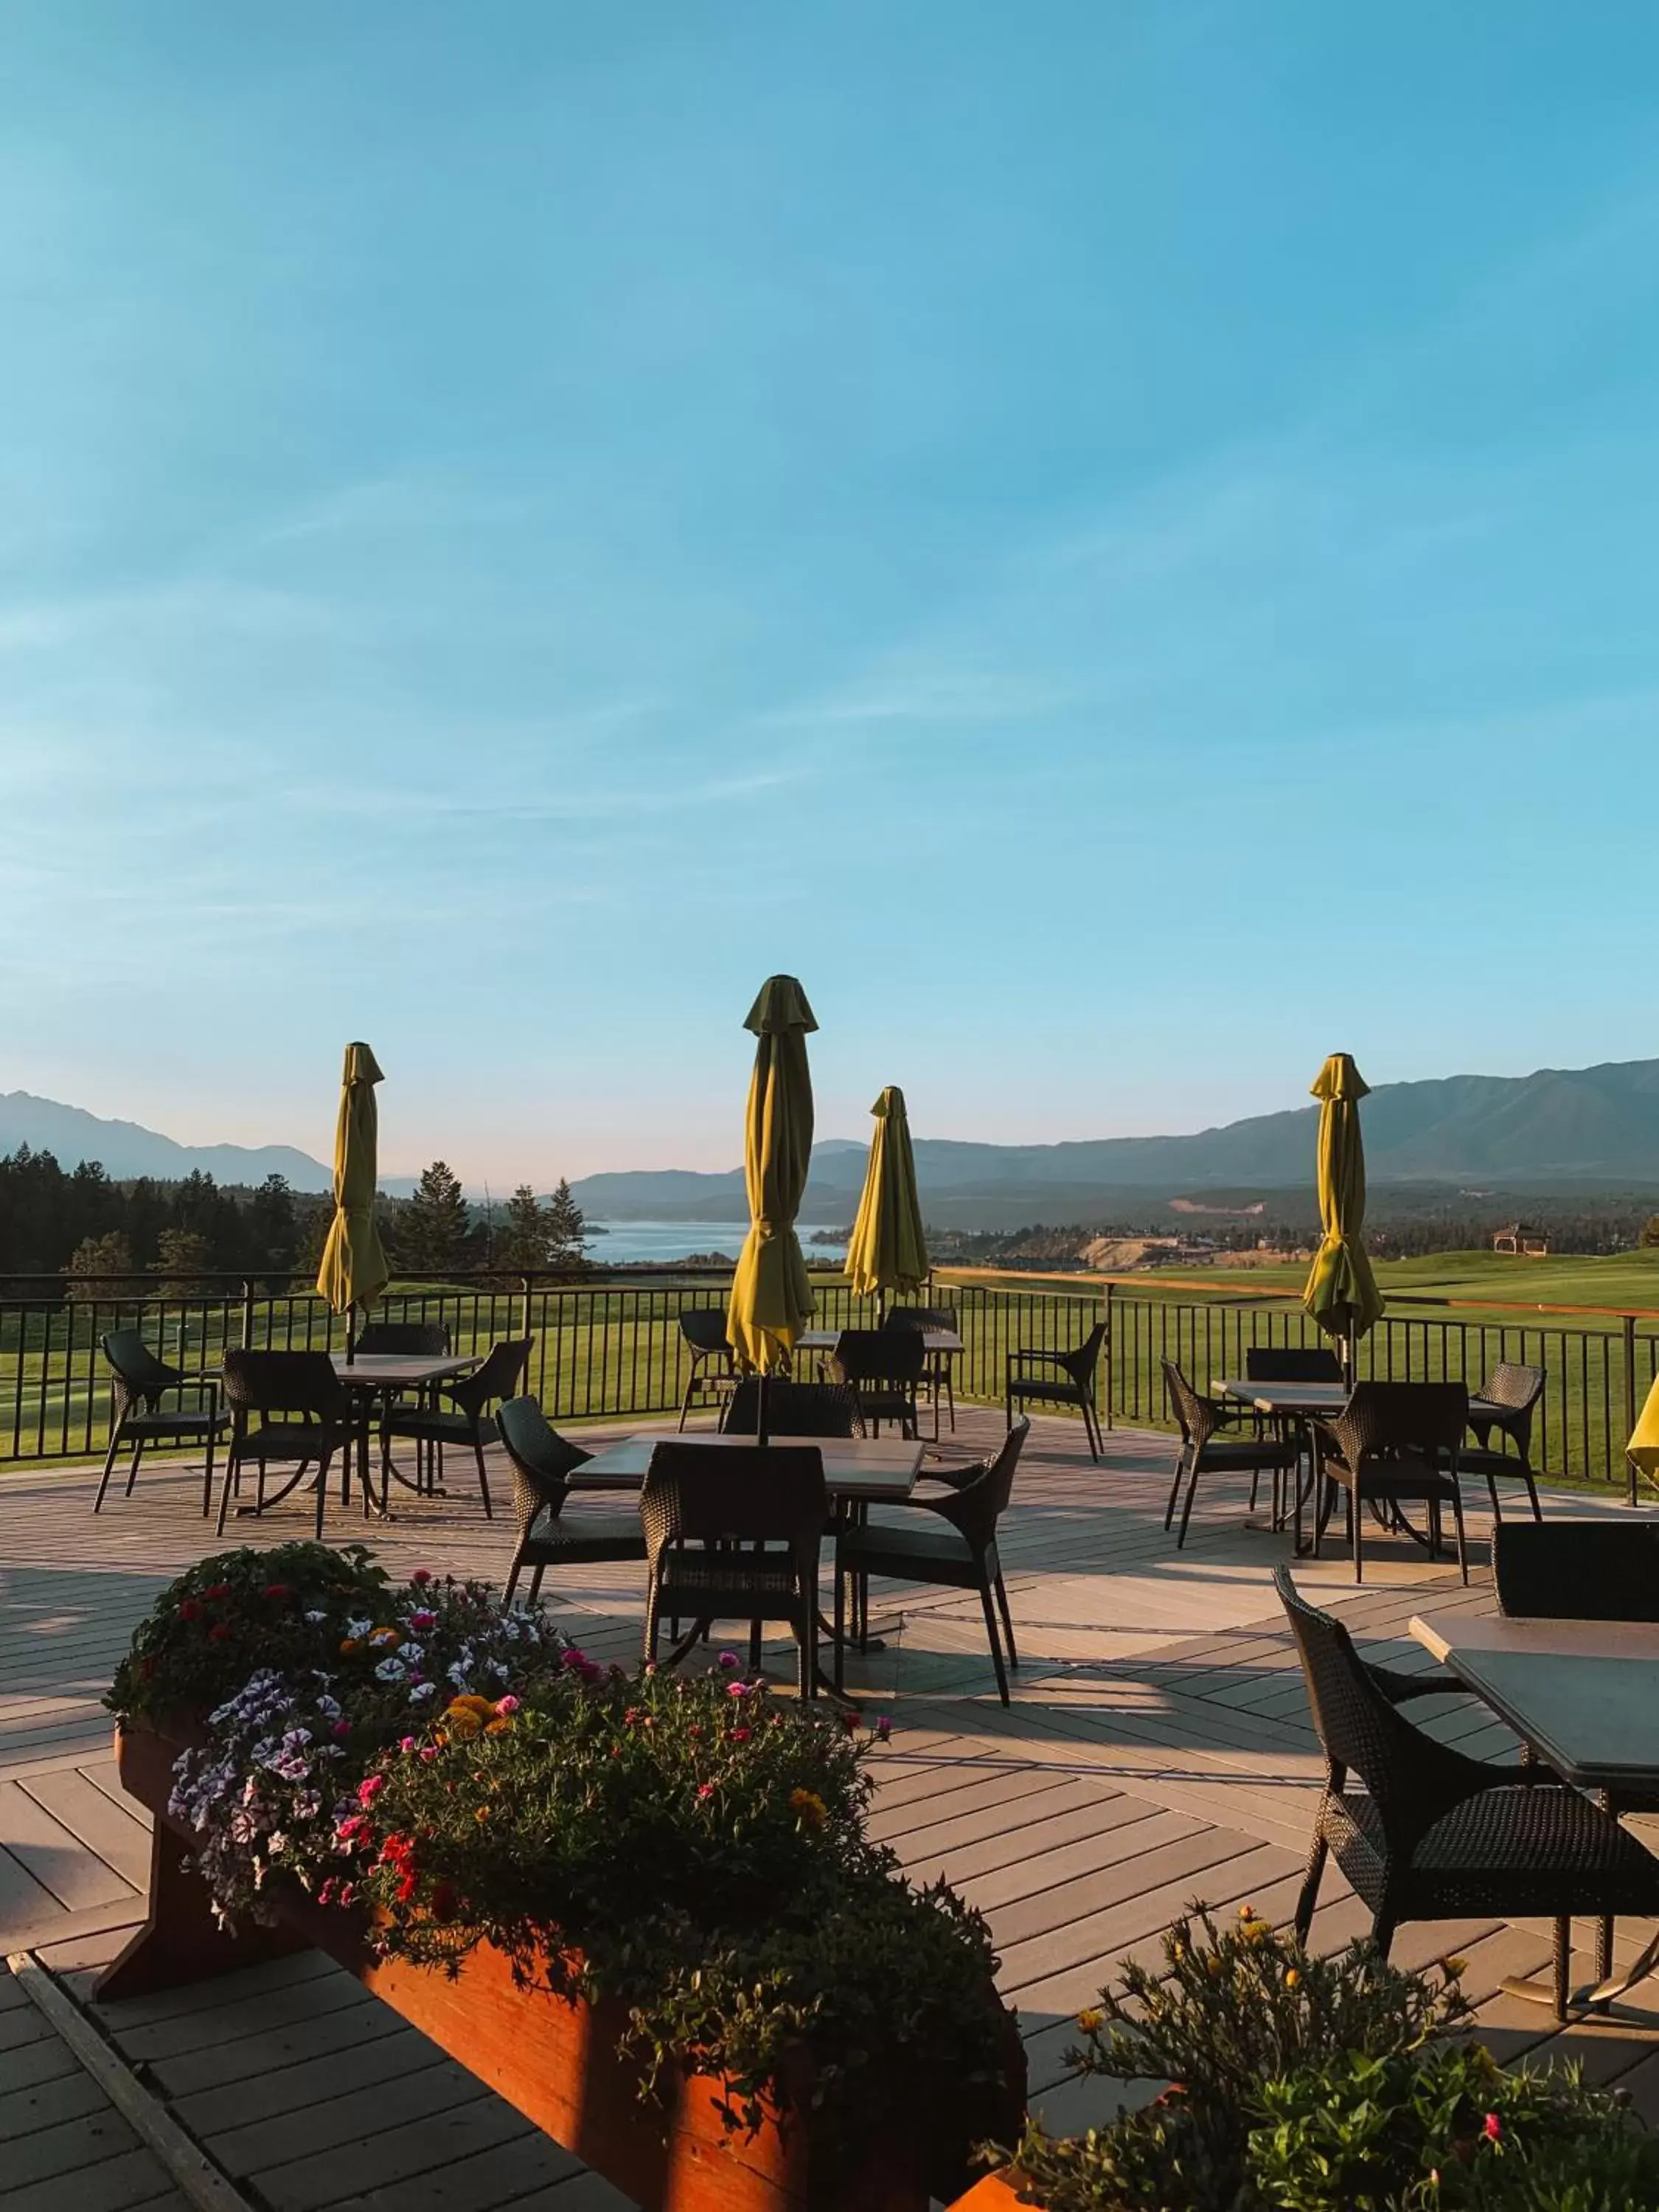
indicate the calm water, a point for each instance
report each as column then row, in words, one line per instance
column 660, row 1241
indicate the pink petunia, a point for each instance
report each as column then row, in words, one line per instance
column 420, row 1577
column 507, row 1704
column 1492, row 2128
column 369, row 1789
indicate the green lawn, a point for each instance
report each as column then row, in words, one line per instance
column 1622, row 1280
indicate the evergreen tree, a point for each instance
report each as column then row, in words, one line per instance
column 184, row 1259
column 566, row 1227
column 434, row 1235
column 270, row 1226
column 525, row 1243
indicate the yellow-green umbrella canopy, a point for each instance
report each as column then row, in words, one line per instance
column 771, row 1297
column 1341, row 1292
column 354, row 1271
column 889, row 1250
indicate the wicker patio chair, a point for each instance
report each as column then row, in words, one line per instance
column 542, row 1464
column 1074, row 1385
column 734, row 1535
column 1200, row 1419
column 465, row 1420
column 1394, row 1444
column 1516, row 1390
column 291, row 1408
column 140, row 1382
column 1577, row 1570
column 714, row 1371
column 793, row 1409
column 884, row 1368
column 962, row 1556
column 1432, row 1834
column 936, row 1375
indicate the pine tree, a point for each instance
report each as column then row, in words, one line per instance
column 183, row 1260
column 269, row 1226
column 434, row 1235
column 525, row 1242
column 566, row 1227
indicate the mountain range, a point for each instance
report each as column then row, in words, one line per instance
column 1583, row 1129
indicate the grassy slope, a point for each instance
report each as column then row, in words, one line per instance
column 1623, row 1280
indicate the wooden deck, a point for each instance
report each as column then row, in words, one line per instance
column 1158, row 1750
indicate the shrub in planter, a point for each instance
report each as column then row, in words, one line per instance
column 1300, row 2084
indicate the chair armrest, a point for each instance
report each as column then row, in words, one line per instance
column 1397, row 1687
column 1053, row 1358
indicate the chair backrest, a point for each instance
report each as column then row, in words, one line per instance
column 744, row 1493
column 542, row 1459
column 793, row 1409
column 1411, row 1779
column 1292, row 1362
column 1518, row 1389
column 1081, row 1364
column 881, row 1355
column 1400, row 1420
column 497, row 1374
column 1195, row 1414
column 137, row 1367
column 921, row 1317
column 703, row 1328
column 976, row 1508
column 1577, row 1570
column 426, row 1339
column 285, row 1383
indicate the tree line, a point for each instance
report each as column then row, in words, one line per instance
column 110, row 1238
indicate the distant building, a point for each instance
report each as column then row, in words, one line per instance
column 1522, row 1242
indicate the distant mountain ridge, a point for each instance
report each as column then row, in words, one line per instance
column 127, row 1149
column 1575, row 1126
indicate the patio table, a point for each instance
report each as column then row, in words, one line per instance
column 936, row 1339
column 1585, row 1695
column 374, row 1375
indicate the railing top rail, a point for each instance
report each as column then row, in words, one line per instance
column 1241, row 1293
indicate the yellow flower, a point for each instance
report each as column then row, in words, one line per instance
column 1246, row 1913
column 481, row 1814
column 1291, row 1977
column 499, row 1726
column 1455, row 1968
column 466, row 1717
column 808, row 1808
column 1092, row 2019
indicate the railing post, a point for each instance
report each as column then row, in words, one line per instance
column 1630, row 1403
column 1110, row 1347
column 529, row 1280
column 248, row 1313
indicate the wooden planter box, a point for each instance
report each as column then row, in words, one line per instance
column 996, row 2193
column 555, row 2061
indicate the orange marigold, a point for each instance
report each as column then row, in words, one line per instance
column 808, row 1808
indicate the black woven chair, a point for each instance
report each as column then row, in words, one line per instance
column 1516, row 1390
column 961, row 1556
column 140, row 1382
column 712, row 1370
column 465, row 1420
column 1577, row 1570
column 936, row 1376
column 542, row 1464
column 793, row 1409
column 1435, row 1835
column 1201, row 1419
column 1073, row 1385
column 884, row 1368
column 289, row 1408
column 734, row 1535
column 1394, row 1444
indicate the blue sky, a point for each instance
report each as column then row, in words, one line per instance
column 1115, row 542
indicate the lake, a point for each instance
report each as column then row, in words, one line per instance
column 656, row 1242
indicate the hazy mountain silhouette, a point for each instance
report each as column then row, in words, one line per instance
column 126, row 1150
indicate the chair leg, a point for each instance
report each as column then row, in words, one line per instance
column 1562, row 1964
column 536, row 1584
column 1532, row 1493
column 511, row 1582
column 207, row 1478
column 1357, row 1534
column 132, row 1472
column 1174, row 1488
column 806, row 1636
column 1310, row 1880
column 322, row 1488
column 1457, row 1524
column 233, row 1469
column 483, row 1478
column 1383, row 1931
column 838, row 1659
column 1187, row 1509
column 995, row 1640
column 116, row 1435
column 1007, row 1622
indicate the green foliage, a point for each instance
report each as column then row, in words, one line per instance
column 183, row 1260
column 1650, row 1235
column 696, row 1851
column 567, row 1226
column 101, row 1267
column 239, row 1611
column 1323, row 2085
column 433, row 1232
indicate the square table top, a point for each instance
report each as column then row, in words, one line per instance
column 1584, row 1692
column 825, row 1340
column 1312, row 1397
column 406, row 1370
column 871, row 1469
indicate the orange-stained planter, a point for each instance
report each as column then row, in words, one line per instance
column 996, row 2193
column 555, row 2061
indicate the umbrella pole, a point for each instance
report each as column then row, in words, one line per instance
column 351, row 1332
column 763, row 1408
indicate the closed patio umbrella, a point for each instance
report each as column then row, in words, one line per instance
column 771, row 1298
column 354, row 1270
column 888, row 1248
column 1341, row 1292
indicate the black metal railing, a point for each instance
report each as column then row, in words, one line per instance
column 611, row 1345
